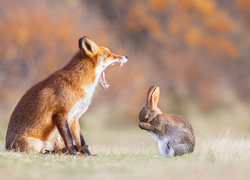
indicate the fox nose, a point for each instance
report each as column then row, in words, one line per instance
column 126, row 57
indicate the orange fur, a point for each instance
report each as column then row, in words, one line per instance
column 75, row 130
column 41, row 117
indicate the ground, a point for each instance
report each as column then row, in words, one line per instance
column 132, row 154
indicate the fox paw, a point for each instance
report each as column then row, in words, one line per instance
column 85, row 150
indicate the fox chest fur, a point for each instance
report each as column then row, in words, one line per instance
column 82, row 104
column 51, row 109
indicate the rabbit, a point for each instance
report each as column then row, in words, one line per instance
column 174, row 134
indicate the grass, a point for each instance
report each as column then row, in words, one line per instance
column 130, row 154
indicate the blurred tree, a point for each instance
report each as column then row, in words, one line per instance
column 194, row 50
column 36, row 39
column 192, row 43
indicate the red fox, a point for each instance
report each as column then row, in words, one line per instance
column 51, row 109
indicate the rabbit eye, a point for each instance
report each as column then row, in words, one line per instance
column 147, row 117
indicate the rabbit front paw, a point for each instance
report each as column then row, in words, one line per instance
column 142, row 125
column 145, row 126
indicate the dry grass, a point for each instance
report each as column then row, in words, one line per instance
column 129, row 154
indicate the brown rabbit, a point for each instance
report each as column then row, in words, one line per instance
column 174, row 134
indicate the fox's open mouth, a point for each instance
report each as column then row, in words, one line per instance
column 102, row 80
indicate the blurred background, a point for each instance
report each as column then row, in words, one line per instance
column 196, row 51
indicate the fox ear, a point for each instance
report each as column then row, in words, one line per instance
column 153, row 96
column 88, row 46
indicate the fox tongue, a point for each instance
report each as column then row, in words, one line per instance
column 103, row 82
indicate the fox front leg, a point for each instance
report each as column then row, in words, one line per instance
column 78, row 138
column 147, row 126
column 84, row 149
column 63, row 128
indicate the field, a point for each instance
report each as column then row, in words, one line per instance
column 132, row 154
column 125, row 152
column 197, row 52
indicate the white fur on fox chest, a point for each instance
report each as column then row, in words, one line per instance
column 82, row 105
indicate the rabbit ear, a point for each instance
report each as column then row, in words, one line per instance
column 153, row 96
column 149, row 95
